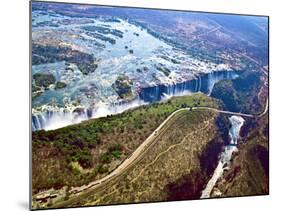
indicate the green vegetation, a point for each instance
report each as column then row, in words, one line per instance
column 145, row 68
column 35, row 88
column 94, row 144
column 123, row 86
column 249, row 172
column 44, row 79
column 241, row 94
column 165, row 70
column 101, row 37
column 113, row 152
column 137, row 34
column 175, row 61
column 104, row 30
column 36, row 91
column 60, row 85
column 225, row 91
column 49, row 54
column 174, row 153
column 87, row 68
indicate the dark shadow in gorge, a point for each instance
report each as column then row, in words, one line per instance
column 191, row 185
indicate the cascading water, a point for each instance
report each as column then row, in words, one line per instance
column 57, row 118
column 225, row 157
column 50, row 120
column 198, row 85
column 237, row 123
column 203, row 83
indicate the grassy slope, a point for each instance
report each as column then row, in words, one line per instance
column 175, row 153
column 241, row 94
column 98, row 145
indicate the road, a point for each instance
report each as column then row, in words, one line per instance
column 149, row 141
column 143, row 147
column 130, row 159
column 137, row 153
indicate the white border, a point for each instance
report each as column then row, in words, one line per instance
column 15, row 102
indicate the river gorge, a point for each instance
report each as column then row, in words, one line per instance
column 226, row 155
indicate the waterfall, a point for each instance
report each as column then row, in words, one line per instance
column 202, row 83
column 225, row 156
column 36, row 123
column 58, row 118
column 236, row 122
column 214, row 79
column 199, row 84
column 50, row 120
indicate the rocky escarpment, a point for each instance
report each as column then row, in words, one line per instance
column 202, row 83
column 190, row 185
column 240, row 94
column 249, row 172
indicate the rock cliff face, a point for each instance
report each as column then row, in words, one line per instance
column 190, row 186
column 241, row 94
column 123, row 86
column 249, row 171
column 203, row 83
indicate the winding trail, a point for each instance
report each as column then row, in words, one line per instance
column 148, row 142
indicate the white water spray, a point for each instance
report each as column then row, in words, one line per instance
column 60, row 118
column 55, row 118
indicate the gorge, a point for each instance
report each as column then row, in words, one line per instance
column 225, row 157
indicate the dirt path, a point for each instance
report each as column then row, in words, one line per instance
column 137, row 153
column 145, row 145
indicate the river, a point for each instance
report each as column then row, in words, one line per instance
column 225, row 157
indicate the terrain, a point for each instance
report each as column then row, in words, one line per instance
column 249, row 172
column 145, row 179
column 241, row 93
column 212, row 149
column 92, row 145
